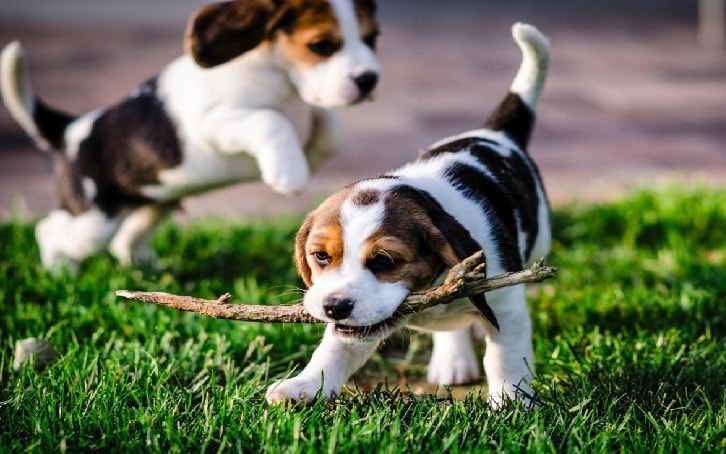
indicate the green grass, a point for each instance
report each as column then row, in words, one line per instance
column 629, row 341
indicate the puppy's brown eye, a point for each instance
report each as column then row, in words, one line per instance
column 322, row 258
column 324, row 47
column 380, row 263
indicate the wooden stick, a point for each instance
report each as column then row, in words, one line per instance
column 463, row 279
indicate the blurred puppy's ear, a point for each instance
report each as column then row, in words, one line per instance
column 219, row 32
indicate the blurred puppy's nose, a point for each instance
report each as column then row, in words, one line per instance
column 366, row 82
column 337, row 307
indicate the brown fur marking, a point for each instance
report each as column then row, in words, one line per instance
column 321, row 231
column 310, row 21
column 408, row 235
column 416, row 266
column 365, row 197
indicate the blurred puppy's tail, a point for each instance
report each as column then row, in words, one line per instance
column 45, row 125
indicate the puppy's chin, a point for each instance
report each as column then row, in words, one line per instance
column 345, row 96
column 332, row 102
column 370, row 333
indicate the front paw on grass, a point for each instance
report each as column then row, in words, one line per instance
column 294, row 391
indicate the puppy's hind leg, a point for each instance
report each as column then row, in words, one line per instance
column 66, row 240
column 453, row 360
column 130, row 245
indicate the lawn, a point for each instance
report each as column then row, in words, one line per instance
column 629, row 342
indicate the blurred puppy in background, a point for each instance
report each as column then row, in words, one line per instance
column 249, row 100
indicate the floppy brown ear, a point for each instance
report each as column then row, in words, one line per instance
column 447, row 237
column 301, row 262
column 454, row 244
column 219, row 32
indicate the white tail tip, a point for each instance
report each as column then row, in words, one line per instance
column 530, row 78
column 17, row 93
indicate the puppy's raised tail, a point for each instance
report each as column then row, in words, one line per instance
column 515, row 114
column 45, row 125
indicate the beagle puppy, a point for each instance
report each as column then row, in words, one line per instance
column 364, row 249
column 249, row 99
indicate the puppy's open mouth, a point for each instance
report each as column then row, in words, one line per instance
column 383, row 328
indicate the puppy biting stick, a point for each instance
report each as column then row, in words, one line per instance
column 466, row 278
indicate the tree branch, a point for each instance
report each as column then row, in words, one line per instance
column 463, row 279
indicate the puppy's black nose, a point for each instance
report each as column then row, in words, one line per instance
column 337, row 307
column 366, row 82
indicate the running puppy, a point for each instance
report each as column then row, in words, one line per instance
column 371, row 244
column 249, row 100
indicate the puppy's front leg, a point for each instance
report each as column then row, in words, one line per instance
column 269, row 137
column 509, row 358
column 333, row 362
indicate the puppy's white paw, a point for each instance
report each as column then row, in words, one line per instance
column 50, row 234
column 458, row 368
column 287, row 179
column 295, row 390
column 501, row 392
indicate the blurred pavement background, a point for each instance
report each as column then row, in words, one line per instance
column 632, row 100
